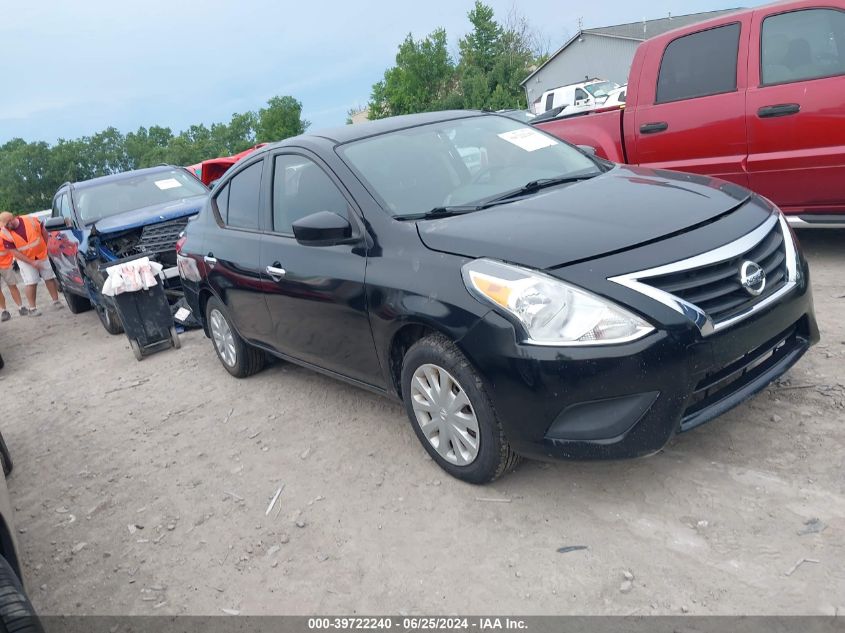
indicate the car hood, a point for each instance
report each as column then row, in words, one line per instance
column 150, row 215
column 621, row 209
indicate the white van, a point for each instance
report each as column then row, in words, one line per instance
column 586, row 95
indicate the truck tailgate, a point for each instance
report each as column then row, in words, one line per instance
column 602, row 130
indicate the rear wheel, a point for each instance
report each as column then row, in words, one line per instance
column 451, row 413
column 16, row 612
column 238, row 357
column 136, row 349
column 76, row 303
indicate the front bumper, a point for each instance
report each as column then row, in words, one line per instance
column 629, row 400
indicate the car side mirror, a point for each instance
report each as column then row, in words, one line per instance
column 587, row 149
column 57, row 224
column 322, row 229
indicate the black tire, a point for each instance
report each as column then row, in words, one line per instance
column 248, row 359
column 5, row 457
column 75, row 303
column 495, row 456
column 109, row 319
column 16, row 612
column 2, row 362
column 174, row 338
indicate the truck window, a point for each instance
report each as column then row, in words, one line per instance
column 580, row 95
column 801, row 45
column 699, row 64
column 550, row 99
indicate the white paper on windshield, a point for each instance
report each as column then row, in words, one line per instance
column 168, row 183
column 182, row 314
column 527, row 139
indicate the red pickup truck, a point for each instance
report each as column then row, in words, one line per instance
column 756, row 97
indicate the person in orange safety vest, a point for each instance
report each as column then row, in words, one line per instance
column 26, row 238
column 7, row 274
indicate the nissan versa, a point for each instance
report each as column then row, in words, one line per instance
column 519, row 296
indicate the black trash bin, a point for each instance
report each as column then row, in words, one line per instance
column 147, row 320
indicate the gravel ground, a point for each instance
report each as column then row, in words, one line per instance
column 141, row 488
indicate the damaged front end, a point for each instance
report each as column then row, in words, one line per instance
column 156, row 241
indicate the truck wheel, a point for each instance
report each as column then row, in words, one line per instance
column 110, row 320
column 451, row 413
column 238, row 357
column 16, row 612
column 5, row 457
column 136, row 349
column 75, row 303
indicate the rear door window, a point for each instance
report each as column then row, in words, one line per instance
column 244, row 194
column 550, row 99
column 801, row 45
column 699, row 64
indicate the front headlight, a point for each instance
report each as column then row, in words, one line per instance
column 551, row 311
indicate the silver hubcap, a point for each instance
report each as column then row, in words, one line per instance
column 445, row 415
column 224, row 341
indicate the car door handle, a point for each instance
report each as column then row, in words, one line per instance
column 275, row 271
column 653, row 128
column 210, row 259
column 780, row 109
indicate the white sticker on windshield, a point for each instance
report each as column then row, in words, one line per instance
column 168, row 183
column 527, row 139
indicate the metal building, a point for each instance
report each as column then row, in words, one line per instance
column 605, row 52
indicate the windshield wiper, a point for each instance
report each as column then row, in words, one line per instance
column 529, row 187
column 441, row 212
column 536, row 185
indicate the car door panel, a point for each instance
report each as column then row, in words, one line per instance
column 318, row 304
column 63, row 248
column 794, row 116
column 695, row 120
column 231, row 253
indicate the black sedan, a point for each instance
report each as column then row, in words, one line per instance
column 518, row 296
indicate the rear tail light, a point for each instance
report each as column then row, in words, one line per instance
column 180, row 243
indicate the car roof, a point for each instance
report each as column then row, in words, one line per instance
column 348, row 133
column 84, row 184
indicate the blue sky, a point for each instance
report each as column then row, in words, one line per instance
column 71, row 68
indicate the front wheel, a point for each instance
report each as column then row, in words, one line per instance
column 109, row 319
column 451, row 413
column 238, row 357
column 76, row 303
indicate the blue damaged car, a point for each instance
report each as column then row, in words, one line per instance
column 101, row 221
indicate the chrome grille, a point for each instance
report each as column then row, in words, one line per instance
column 706, row 289
column 161, row 237
column 716, row 288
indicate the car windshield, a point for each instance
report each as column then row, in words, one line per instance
column 459, row 162
column 96, row 202
column 601, row 88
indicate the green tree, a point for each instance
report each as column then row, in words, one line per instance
column 420, row 81
column 30, row 173
column 281, row 119
column 480, row 47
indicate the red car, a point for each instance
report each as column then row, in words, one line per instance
column 210, row 170
column 756, row 97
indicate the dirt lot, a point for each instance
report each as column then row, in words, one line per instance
column 141, row 488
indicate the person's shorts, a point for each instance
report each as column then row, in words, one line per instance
column 8, row 275
column 31, row 274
